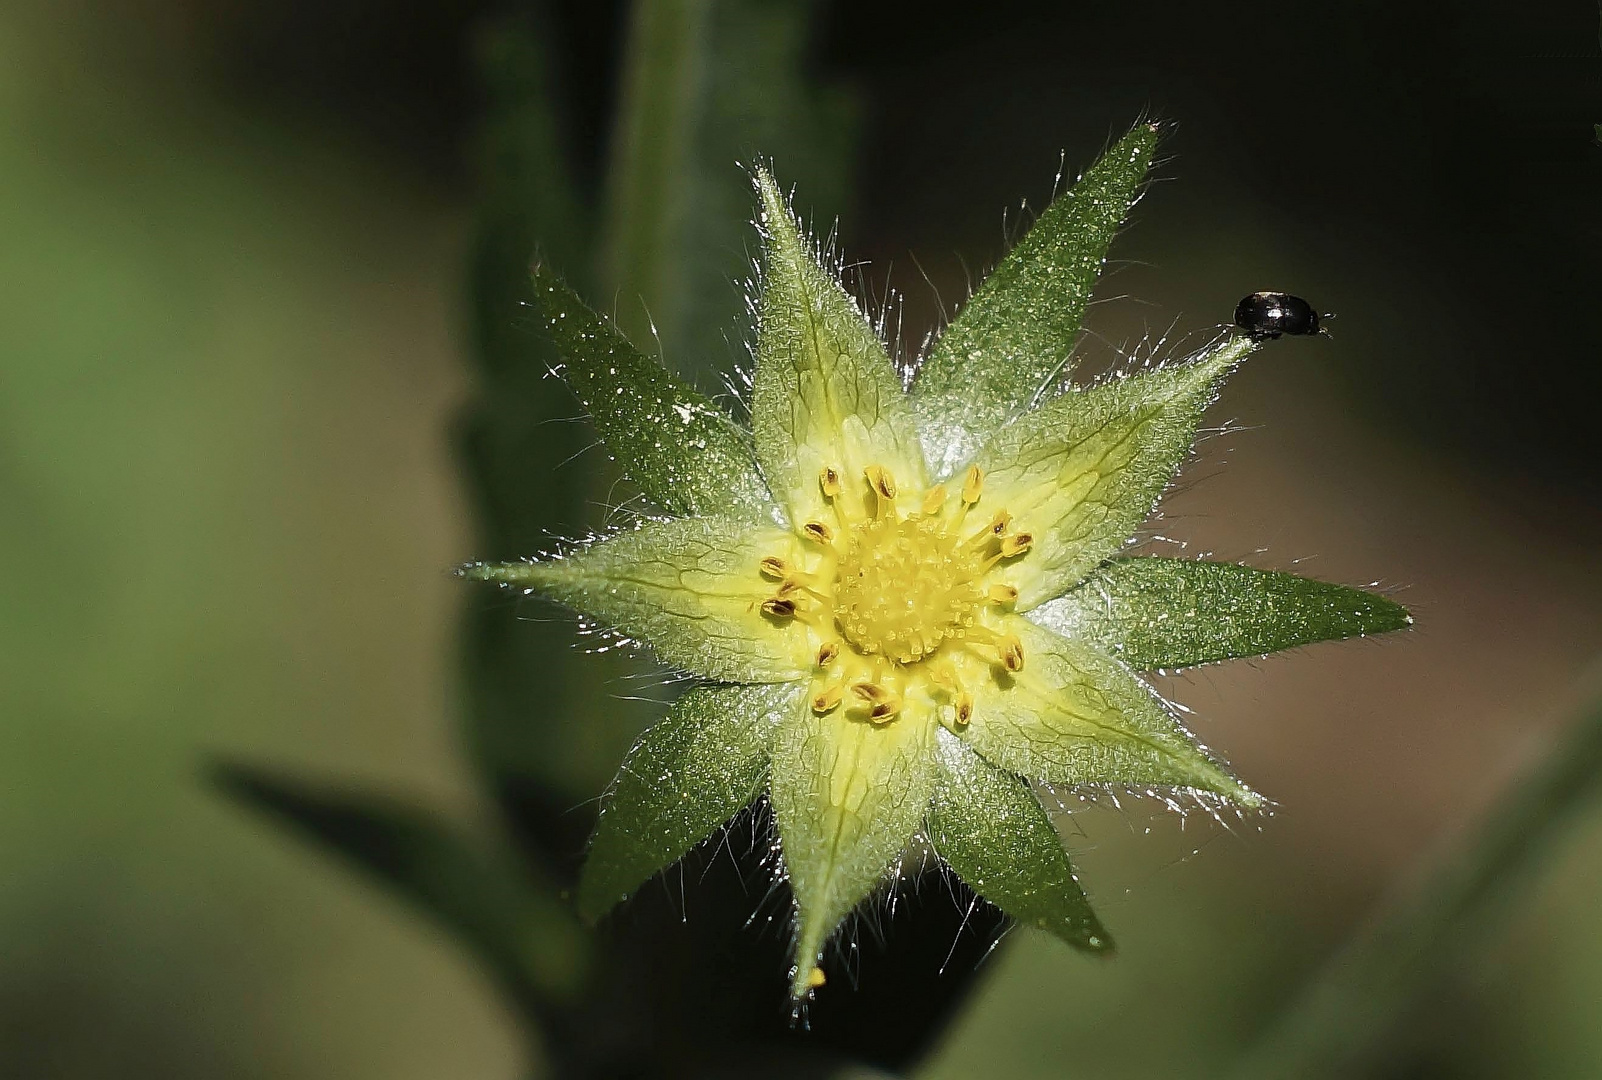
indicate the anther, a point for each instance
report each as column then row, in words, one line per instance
column 828, row 699
column 972, row 484
column 817, row 530
column 883, row 703
column 933, row 501
column 1001, row 594
column 828, row 652
column 774, row 567
column 881, row 481
column 997, row 527
column 829, row 481
column 816, row 978
column 1011, row 653
column 964, row 708
column 1016, row 544
column 779, row 607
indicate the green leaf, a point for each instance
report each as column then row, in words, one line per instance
column 528, row 940
column 686, row 455
column 1074, row 715
column 685, row 777
column 1010, row 344
column 848, row 795
column 690, row 590
column 825, row 392
column 1171, row 613
column 1083, row 471
column 989, row 827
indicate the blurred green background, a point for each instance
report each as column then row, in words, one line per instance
column 237, row 342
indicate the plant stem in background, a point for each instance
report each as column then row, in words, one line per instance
column 653, row 138
column 1342, row 1024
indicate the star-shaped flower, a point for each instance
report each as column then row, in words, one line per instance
column 904, row 605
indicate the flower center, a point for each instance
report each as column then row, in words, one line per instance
column 903, row 587
column 887, row 591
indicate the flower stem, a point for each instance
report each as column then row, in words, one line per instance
column 649, row 175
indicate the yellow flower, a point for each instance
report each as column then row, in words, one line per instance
column 904, row 605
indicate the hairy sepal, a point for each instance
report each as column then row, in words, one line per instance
column 1081, row 473
column 990, row 829
column 685, row 454
column 1011, row 343
column 1156, row 613
column 848, row 795
column 825, row 392
column 1074, row 715
column 685, row 777
column 691, row 591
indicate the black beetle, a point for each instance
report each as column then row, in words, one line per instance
column 1265, row 315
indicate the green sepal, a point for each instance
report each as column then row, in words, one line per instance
column 1156, row 613
column 990, row 829
column 689, row 590
column 1010, row 344
column 486, row 896
column 686, row 775
column 686, row 454
column 1074, row 715
column 825, row 393
column 1082, row 472
column 848, row 795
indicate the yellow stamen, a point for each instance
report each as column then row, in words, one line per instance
column 933, row 501
column 1016, row 544
column 1012, row 656
column 1002, row 594
column 779, row 607
column 774, row 567
column 829, row 481
column 828, row 699
column 964, row 708
column 997, row 527
column 883, row 703
column 818, row 531
column 879, row 478
column 816, row 978
column 828, row 652
column 973, row 484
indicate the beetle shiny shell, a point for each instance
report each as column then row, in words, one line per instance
column 1265, row 315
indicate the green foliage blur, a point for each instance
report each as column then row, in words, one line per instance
column 263, row 381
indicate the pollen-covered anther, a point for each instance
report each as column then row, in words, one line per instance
column 816, row 978
column 933, row 502
column 879, row 478
column 1016, row 544
column 1001, row 594
column 829, row 481
column 884, row 704
column 827, row 699
column 884, row 490
column 780, row 607
column 973, row 484
column 997, row 528
column 1012, row 654
column 819, row 532
column 964, row 708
